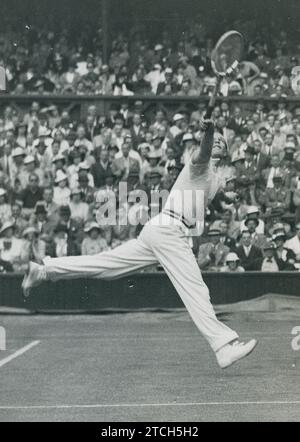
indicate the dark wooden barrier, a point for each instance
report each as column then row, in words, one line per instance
column 141, row 291
column 78, row 104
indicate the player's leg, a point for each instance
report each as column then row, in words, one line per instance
column 175, row 255
column 125, row 259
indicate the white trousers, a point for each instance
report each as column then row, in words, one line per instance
column 167, row 245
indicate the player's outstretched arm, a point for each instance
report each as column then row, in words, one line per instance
column 203, row 153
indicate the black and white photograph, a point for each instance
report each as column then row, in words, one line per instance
column 149, row 214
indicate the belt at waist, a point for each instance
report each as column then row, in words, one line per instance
column 181, row 218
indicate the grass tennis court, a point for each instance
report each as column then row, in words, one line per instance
column 143, row 367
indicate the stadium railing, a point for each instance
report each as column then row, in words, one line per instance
column 78, row 104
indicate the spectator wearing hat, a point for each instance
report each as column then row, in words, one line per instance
column 253, row 212
column 83, row 170
column 79, row 209
column 247, row 174
column 31, row 194
column 248, row 254
column 93, row 243
column 42, row 156
column 10, row 246
column 58, row 162
column 31, row 167
column 64, row 245
column 154, row 77
column 177, row 128
column 18, row 155
column 86, row 190
column 62, row 192
column 5, row 209
column 21, row 135
column 258, row 239
column 41, row 221
column 212, row 254
column 74, row 225
column 285, row 255
column 232, row 264
column 270, row 261
column 294, row 243
column 277, row 196
column 167, row 82
column 34, row 249
column 295, row 189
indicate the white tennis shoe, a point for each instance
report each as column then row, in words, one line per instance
column 34, row 277
column 231, row 353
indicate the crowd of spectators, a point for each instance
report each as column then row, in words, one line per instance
column 55, row 173
column 40, row 61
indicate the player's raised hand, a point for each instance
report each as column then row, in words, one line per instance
column 206, row 123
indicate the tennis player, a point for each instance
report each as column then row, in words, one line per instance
column 164, row 239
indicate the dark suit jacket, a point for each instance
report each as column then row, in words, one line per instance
column 137, row 138
column 262, row 162
column 99, row 174
column 250, row 262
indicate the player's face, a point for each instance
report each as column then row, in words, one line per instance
column 219, row 147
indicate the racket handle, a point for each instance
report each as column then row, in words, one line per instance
column 212, row 101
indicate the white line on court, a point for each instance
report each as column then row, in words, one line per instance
column 18, row 353
column 170, row 404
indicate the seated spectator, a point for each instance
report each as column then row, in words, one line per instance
column 232, row 264
column 247, row 253
column 294, row 243
column 101, row 168
column 30, row 168
column 5, row 209
column 32, row 194
column 257, row 239
column 270, row 261
column 10, row 246
column 122, row 165
column 64, row 245
column 225, row 238
column 253, row 212
column 74, row 225
column 41, row 221
column 211, row 255
column 83, row 170
column 18, row 218
column 79, row 209
column 62, row 193
column 277, row 196
column 49, row 204
column 94, row 243
column 285, row 255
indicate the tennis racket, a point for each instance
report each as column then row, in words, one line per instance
column 225, row 59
